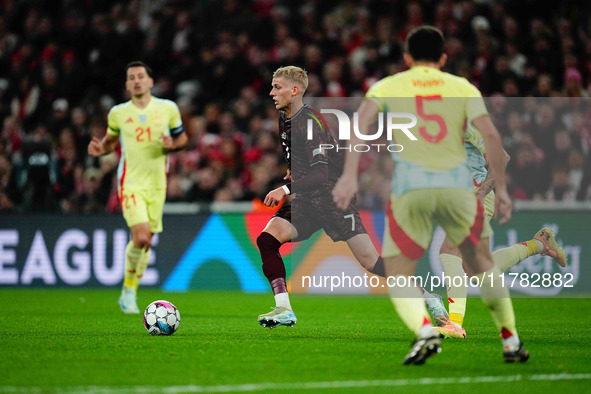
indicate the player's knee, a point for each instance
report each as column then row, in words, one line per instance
column 448, row 248
column 143, row 242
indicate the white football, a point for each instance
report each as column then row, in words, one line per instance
column 161, row 318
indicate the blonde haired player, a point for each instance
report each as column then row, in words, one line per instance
column 542, row 243
column 312, row 173
column 432, row 183
column 147, row 129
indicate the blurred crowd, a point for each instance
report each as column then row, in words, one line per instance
column 62, row 67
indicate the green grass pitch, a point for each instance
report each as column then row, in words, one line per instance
column 79, row 341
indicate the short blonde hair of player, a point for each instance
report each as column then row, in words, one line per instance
column 294, row 74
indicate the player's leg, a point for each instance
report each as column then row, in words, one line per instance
column 496, row 297
column 155, row 207
column 451, row 259
column 457, row 290
column 135, row 254
column 462, row 217
column 436, row 307
column 407, row 234
column 366, row 254
column 135, row 214
column 347, row 226
column 408, row 302
column 542, row 243
column 278, row 231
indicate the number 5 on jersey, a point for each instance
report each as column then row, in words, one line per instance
column 430, row 117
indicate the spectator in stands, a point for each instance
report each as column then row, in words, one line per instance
column 527, row 174
column 39, row 171
column 63, row 73
column 560, row 188
column 573, row 83
column 92, row 199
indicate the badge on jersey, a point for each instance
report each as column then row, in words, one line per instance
column 157, row 119
column 143, row 118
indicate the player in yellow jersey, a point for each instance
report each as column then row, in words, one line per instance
column 451, row 258
column 432, row 183
column 147, row 129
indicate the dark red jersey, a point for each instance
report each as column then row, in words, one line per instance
column 304, row 140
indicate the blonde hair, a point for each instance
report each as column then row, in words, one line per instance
column 294, row 74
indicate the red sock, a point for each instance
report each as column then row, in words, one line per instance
column 273, row 266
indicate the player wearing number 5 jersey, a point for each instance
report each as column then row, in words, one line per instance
column 147, row 129
column 433, row 184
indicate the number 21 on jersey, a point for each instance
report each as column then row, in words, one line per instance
column 139, row 134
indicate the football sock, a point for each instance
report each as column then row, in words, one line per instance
column 273, row 266
column 282, row 299
column 510, row 341
column 379, row 269
column 132, row 259
column 506, row 258
column 456, row 295
column 410, row 306
column 496, row 297
column 278, row 285
column 141, row 268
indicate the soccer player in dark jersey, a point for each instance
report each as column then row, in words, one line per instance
column 312, row 172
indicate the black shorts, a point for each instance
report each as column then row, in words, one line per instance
column 309, row 216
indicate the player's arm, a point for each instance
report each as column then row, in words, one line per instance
column 175, row 143
column 176, row 139
column 347, row 185
column 495, row 155
column 109, row 142
column 276, row 195
column 104, row 146
column 489, row 182
column 318, row 176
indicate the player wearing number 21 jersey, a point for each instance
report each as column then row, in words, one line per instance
column 147, row 128
column 144, row 162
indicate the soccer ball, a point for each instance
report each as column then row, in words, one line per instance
column 161, row 318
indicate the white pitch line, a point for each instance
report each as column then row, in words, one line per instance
column 339, row 384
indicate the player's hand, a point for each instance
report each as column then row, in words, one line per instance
column 167, row 141
column 503, row 205
column 274, row 197
column 95, row 148
column 344, row 191
column 288, row 176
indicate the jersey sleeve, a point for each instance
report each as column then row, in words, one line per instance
column 113, row 123
column 175, row 124
column 475, row 105
column 375, row 93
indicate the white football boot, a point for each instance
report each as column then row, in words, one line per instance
column 127, row 302
column 279, row 316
